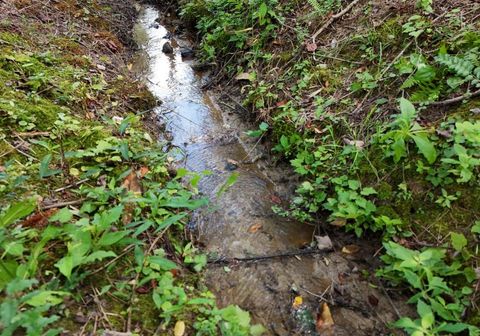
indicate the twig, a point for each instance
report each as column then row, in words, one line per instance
column 333, row 18
column 320, row 296
column 456, row 99
column 20, row 151
column 99, row 304
column 31, row 134
column 125, row 251
column 62, row 204
column 71, row 185
column 390, row 301
column 225, row 260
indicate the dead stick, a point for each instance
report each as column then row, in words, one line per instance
column 225, row 260
column 456, row 99
column 62, row 204
column 333, row 18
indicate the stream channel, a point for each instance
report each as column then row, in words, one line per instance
column 240, row 223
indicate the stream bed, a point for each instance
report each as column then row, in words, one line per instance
column 240, row 223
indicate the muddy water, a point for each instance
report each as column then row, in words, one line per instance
column 240, row 223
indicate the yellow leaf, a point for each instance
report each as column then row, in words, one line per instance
column 297, row 302
column 179, row 329
column 339, row 222
column 325, row 319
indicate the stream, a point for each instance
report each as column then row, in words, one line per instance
column 240, row 222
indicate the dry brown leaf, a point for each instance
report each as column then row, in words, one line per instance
column 179, row 329
column 350, row 249
column 339, row 222
column 254, row 228
column 324, row 242
column 311, row 47
column 325, row 319
column 373, row 300
column 297, row 302
column 132, row 183
column 39, row 219
column 243, row 76
column 143, row 171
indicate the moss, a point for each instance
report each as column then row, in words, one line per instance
column 384, row 191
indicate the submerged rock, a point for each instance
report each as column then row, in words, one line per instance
column 167, row 48
column 187, row 52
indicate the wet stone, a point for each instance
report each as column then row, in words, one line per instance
column 167, row 48
column 187, row 52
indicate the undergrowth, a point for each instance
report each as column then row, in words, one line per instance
column 92, row 216
column 379, row 118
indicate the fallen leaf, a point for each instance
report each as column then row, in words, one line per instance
column 324, row 242
column 275, row 199
column 297, row 302
column 243, row 76
column 254, row 228
column 356, row 143
column 339, row 222
column 132, row 183
column 373, row 300
column 350, row 249
column 324, row 319
column 143, row 171
column 179, row 329
column 311, row 46
column 39, row 219
column 129, row 66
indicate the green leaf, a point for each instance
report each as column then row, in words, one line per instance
column 406, row 323
column 425, row 147
column 458, row 241
column 65, row 266
column 257, row 330
column 98, row 255
column 19, row 285
column 407, row 109
column 476, row 227
column 228, row 183
column 110, row 238
column 47, row 297
column 17, row 211
column 368, row 191
column 262, row 11
column 7, row 272
column 64, row 215
column 45, row 171
column 162, row 262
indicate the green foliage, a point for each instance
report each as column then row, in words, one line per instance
column 226, row 26
column 403, row 129
column 324, row 6
column 433, row 279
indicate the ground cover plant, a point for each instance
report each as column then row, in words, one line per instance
column 376, row 107
column 92, row 214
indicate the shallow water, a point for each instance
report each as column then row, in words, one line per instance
column 241, row 223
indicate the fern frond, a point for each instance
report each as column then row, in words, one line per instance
column 316, row 6
column 459, row 65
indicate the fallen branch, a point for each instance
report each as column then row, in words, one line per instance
column 333, row 18
column 226, row 260
column 31, row 134
column 62, row 204
column 456, row 99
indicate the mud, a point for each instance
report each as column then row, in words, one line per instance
column 208, row 135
